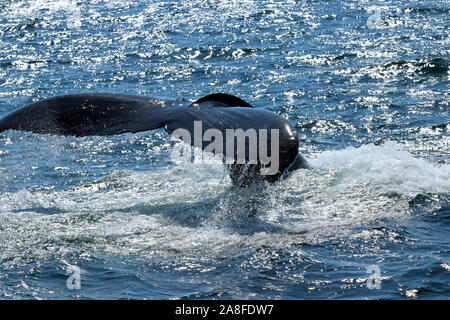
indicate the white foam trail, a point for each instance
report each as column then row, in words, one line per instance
column 389, row 165
column 354, row 186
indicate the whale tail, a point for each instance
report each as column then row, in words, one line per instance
column 110, row 114
column 92, row 114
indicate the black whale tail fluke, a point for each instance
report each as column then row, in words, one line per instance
column 92, row 114
column 107, row 114
column 110, row 114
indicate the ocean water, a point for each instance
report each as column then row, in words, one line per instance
column 366, row 85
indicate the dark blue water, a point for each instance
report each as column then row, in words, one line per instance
column 366, row 85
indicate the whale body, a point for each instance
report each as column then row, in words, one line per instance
column 111, row 114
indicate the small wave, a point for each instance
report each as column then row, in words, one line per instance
column 432, row 66
column 415, row 70
column 429, row 10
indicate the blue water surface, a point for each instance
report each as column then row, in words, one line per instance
column 366, row 85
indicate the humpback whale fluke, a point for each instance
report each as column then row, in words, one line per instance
column 219, row 113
